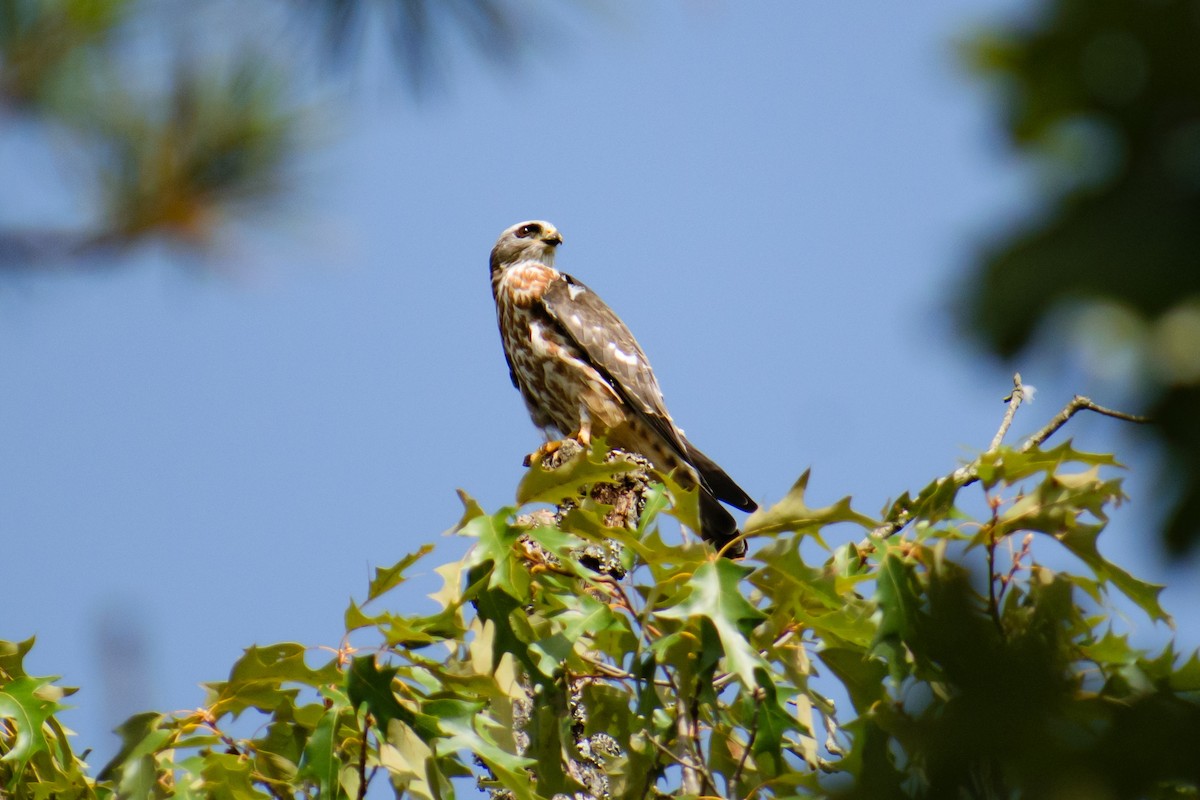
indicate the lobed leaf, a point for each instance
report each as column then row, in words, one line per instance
column 792, row 513
column 713, row 593
column 389, row 578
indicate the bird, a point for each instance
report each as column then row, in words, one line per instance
column 581, row 374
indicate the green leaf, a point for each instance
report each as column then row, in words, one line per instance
column 862, row 675
column 25, row 703
column 366, row 683
column 581, row 623
column 387, row 579
column 134, row 768
column 258, row 677
column 821, row 599
column 898, row 593
column 355, row 618
column 504, row 613
column 229, row 776
column 772, row 722
column 1081, row 541
column 569, row 481
column 471, row 510
column 12, row 658
column 656, row 503
column 450, row 596
column 1009, row 465
column 465, row 727
column 319, row 761
column 1111, row 649
column 714, row 593
column 496, row 541
column 792, row 513
column 1187, row 677
column 684, row 503
column 932, row 504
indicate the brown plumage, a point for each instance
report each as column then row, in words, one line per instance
column 582, row 373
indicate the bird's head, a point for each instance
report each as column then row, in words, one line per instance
column 534, row 240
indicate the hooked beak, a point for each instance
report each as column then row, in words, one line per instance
column 552, row 238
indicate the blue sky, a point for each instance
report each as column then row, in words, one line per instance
column 777, row 197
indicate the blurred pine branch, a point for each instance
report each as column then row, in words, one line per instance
column 175, row 148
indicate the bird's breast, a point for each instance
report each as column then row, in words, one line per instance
column 523, row 285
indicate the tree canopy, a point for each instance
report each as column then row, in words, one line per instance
column 928, row 651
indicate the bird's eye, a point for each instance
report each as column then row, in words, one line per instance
column 525, row 231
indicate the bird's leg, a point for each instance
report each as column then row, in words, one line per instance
column 583, row 436
column 545, row 450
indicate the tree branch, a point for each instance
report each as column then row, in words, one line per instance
column 736, row 777
column 967, row 474
column 362, row 758
column 1014, row 402
column 1077, row 404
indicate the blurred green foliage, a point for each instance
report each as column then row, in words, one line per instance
column 418, row 30
column 201, row 125
column 1104, row 95
column 220, row 139
column 169, row 154
column 972, row 668
column 42, row 43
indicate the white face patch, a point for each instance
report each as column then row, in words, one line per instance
column 574, row 290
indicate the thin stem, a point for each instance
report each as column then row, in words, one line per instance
column 678, row 759
column 993, row 603
column 709, row 783
column 736, row 777
column 683, row 732
column 1078, row 403
column 1007, row 580
column 362, row 758
column 209, row 720
column 966, row 475
column 1014, row 402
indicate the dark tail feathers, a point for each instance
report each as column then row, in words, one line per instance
column 717, row 482
column 718, row 526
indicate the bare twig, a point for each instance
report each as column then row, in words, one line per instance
column 967, row 473
column 736, row 777
column 1078, row 403
column 993, row 599
column 687, row 735
column 1006, row 580
column 362, row 758
column 709, row 784
column 683, row 730
column 209, row 720
column 891, row 527
column 687, row 764
column 1014, row 402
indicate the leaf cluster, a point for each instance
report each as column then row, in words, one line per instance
column 945, row 659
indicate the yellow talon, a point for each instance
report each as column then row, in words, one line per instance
column 547, row 449
column 583, row 436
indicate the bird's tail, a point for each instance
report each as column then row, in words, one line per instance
column 713, row 478
column 718, row 526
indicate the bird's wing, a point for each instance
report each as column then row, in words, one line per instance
column 611, row 348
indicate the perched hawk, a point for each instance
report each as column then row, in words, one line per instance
column 582, row 373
